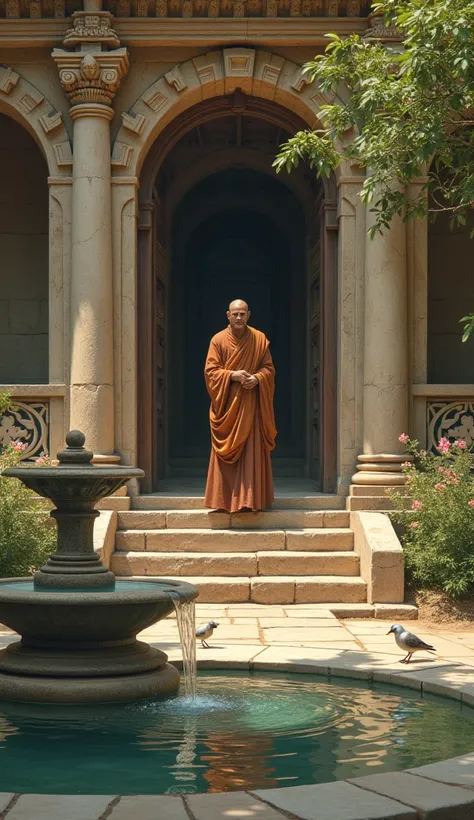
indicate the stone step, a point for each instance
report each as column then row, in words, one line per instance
column 235, row 541
column 207, row 519
column 332, row 590
column 168, row 501
column 369, row 503
column 235, row 564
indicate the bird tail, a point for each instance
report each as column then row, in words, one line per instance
column 431, row 649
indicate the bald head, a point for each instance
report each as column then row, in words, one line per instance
column 238, row 316
column 238, row 304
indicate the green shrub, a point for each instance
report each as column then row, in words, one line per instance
column 438, row 527
column 27, row 536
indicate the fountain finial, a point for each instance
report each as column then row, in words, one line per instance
column 75, row 452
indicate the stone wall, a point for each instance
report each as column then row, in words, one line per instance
column 450, row 296
column 23, row 257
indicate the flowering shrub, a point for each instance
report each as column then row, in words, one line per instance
column 27, row 537
column 438, row 533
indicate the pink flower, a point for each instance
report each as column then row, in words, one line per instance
column 444, row 445
column 19, row 446
column 403, row 437
column 417, row 505
column 40, row 461
column 407, row 464
column 439, row 486
column 414, row 524
column 471, row 502
column 461, row 444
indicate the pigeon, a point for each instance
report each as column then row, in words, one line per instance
column 409, row 642
column 205, row 631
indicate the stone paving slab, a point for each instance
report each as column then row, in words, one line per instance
column 149, row 807
column 5, row 799
column 336, row 801
column 436, row 800
column 59, row 807
column 229, row 806
column 458, row 771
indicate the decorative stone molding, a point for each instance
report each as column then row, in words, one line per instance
column 91, row 78
column 121, row 154
column 27, row 422
column 238, row 71
column 90, row 27
column 51, row 121
column 299, row 80
column 176, row 79
column 8, row 79
column 63, row 154
column 30, row 100
column 135, row 124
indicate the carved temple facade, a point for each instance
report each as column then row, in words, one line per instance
column 137, row 198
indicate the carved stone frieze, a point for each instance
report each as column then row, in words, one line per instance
column 96, row 24
column 91, row 28
column 91, row 78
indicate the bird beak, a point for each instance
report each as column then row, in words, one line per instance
column 389, row 631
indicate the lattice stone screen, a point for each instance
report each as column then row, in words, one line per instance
column 449, row 419
column 27, row 421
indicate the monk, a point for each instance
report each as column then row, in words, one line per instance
column 240, row 379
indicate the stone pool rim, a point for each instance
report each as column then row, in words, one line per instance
column 446, row 790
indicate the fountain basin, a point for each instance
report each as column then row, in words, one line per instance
column 80, row 646
column 245, row 731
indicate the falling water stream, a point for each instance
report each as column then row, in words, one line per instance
column 186, row 619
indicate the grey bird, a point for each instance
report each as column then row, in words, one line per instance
column 409, row 642
column 205, row 631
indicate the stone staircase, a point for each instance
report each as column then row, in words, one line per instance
column 302, row 551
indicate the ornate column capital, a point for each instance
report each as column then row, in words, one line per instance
column 91, row 77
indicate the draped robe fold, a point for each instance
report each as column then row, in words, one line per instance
column 242, row 422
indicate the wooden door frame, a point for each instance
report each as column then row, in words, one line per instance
column 146, row 432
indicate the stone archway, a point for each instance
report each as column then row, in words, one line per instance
column 259, row 74
column 162, row 188
column 26, row 104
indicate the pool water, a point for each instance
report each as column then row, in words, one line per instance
column 244, row 731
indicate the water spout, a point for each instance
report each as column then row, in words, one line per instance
column 186, row 619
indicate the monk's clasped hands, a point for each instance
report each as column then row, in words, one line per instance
column 246, row 379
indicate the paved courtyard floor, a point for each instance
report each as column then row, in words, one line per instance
column 303, row 638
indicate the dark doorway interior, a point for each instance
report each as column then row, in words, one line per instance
column 237, row 234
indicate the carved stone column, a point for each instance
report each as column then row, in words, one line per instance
column 385, row 413
column 90, row 75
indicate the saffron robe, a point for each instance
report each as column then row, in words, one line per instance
column 242, row 422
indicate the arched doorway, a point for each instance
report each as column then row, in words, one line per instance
column 24, row 253
column 217, row 223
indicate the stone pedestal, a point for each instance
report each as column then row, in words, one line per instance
column 385, row 413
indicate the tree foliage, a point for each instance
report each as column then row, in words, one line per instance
column 411, row 107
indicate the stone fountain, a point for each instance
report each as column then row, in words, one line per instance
column 78, row 623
